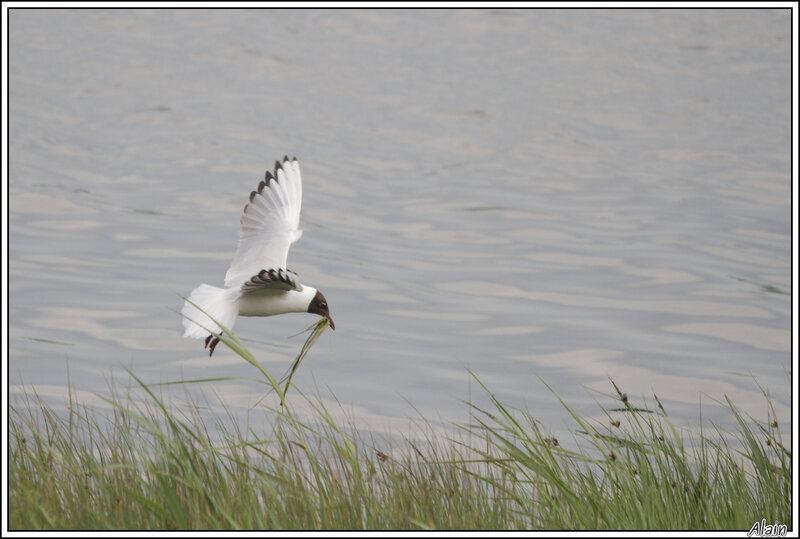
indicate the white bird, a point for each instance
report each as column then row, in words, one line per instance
column 258, row 283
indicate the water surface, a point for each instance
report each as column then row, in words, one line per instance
column 564, row 196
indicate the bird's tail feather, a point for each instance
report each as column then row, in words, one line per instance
column 220, row 303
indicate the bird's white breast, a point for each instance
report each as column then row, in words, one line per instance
column 271, row 302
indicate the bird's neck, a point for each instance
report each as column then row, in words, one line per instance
column 305, row 296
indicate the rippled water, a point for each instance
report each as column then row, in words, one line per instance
column 537, row 195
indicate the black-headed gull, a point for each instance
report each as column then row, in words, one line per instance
column 258, row 282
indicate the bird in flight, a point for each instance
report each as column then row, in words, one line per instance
column 258, row 283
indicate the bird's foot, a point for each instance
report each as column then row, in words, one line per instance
column 211, row 343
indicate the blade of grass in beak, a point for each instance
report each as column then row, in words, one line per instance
column 317, row 330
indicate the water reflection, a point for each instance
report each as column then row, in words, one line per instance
column 682, row 307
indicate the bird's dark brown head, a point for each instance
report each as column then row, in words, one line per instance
column 319, row 306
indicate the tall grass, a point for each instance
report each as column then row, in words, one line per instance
column 638, row 472
column 150, row 466
column 147, row 467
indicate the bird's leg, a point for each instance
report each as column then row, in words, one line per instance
column 211, row 343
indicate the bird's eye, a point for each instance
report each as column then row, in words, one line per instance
column 323, row 305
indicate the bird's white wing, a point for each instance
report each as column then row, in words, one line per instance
column 269, row 223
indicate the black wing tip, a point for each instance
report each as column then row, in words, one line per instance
column 252, row 196
column 273, row 176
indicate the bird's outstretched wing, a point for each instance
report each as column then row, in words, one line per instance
column 269, row 223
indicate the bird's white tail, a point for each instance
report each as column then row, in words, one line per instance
column 220, row 303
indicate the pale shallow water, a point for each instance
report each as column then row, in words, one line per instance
column 556, row 195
